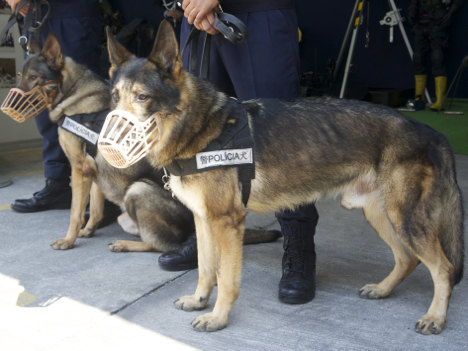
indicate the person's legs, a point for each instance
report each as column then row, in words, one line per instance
column 266, row 65
column 297, row 284
column 439, row 43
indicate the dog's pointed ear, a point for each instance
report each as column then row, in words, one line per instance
column 117, row 53
column 33, row 46
column 165, row 52
column 52, row 52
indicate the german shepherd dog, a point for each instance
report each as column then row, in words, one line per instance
column 398, row 170
column 149, row 211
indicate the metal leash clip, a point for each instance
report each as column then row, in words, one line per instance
column 166, row 178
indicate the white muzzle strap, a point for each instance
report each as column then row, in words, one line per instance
column 125, row 140
column 22, row 106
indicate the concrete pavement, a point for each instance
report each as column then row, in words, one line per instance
column 89, row 298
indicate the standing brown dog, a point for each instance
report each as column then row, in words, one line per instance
column 398, row 170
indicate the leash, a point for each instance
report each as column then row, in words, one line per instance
column 224, row 22
column 24, row 23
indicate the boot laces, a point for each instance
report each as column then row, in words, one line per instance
column 49, row 187
column 295, row 257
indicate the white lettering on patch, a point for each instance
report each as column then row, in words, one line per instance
column 224, row 158
column 80, row 130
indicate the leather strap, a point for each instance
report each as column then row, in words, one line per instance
column 25, row 22
column 224, row 22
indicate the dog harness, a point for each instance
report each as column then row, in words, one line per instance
column 76, row 124
column 233, row 148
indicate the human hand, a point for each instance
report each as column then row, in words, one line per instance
column 207, row 24
column 14, row 4
column 197, row 10
column 174, row 14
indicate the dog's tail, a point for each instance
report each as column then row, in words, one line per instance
column 452, row 226
column 258, row 236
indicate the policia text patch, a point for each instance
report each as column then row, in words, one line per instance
column 224, row 158
column 80, row 130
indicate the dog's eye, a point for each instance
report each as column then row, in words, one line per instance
column 115, row 96
column 32, row 78
column 142, row 97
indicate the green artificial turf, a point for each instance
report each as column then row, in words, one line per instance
column 455, row 127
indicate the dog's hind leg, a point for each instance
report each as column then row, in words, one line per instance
column 128, row 224
column 206, row 269
column 425, row 209
column 441, row 270
column 405, row 260
column 96, row 211
column 130, row 246
column 162, row 223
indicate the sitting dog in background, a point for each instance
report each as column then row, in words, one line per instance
column 162, row 222
column 398, row 170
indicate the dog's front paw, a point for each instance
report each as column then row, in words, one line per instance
column 86, row 233
column 209, row 322
column 190, row 303
column 428, row 324
column 118, row 247
column 61, row 244
column 372, row 292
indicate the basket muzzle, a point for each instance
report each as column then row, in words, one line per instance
column 125, row 140
column 22, row 106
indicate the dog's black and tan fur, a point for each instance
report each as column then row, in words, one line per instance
column 398, row 170
column 149, row 211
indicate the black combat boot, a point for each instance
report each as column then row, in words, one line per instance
column 181, row 259
column 297, row 285
column 56, row 195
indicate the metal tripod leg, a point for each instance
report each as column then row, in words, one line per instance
column 357, row 23
column 344, row 45
column 458, row 74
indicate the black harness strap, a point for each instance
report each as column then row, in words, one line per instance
column 234, row 136
column 87, row 133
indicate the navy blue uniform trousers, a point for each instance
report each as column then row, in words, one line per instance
column 80, row 39
column 265, row 65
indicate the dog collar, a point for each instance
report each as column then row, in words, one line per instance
column 233, row 148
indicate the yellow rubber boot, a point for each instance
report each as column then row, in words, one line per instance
column 440, row 89
column 420, row 85
column 418, row 103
